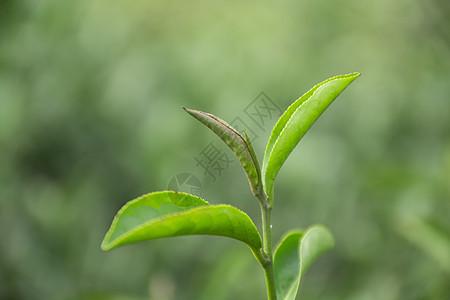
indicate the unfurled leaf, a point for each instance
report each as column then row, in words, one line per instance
column 167, row 214
column 296, row 121
column 295, row 254
column 236, row 142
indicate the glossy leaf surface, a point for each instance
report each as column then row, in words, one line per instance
column 296, row 121
column 295, row 254
column 235, row 141
column 168, row 214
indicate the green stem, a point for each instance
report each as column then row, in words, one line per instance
column 270, row 282
column 267, row 265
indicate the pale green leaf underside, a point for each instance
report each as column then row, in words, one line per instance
column 296, row 121
column 168, row 214
column 295, row 254
column 236, row 142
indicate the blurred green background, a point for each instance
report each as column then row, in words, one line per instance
column 90, row 117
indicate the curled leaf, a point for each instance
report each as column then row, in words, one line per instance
column 296, row 121
column 236, row 142
column 295, row 254
column 168, row 214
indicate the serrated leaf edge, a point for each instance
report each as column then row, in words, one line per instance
column 129, row 203
column 313, row 90
column 105, row 246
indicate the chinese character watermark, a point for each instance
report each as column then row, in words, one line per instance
column 186, row 183
column 213, row 161
column 262, row 111
column 240, row 125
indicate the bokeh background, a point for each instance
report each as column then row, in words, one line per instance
column 90, row 117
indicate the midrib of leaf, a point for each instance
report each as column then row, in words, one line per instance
column 142, row 226
column 131, row 202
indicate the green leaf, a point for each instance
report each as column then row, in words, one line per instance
column 255, row 160
column 295, row 254
column 167, row 214
column 296, row 121
column 236, row 142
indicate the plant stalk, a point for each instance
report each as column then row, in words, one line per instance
column 266, row 210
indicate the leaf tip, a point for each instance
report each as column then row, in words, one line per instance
column 195, row 113
column 354, row 75
column 105, row 246
column 324, row 234
column 186, row 109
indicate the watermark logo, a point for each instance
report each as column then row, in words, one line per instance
column 186, row 183
column 262, row 111
column 213, row 161
column 240, row 125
